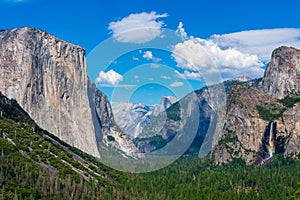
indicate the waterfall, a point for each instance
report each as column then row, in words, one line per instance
column 271, row 142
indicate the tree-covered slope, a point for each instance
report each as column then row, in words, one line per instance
column 36, row 165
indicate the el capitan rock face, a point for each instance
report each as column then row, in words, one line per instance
column 48, row 78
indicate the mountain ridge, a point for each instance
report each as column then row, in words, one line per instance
column 133, row 117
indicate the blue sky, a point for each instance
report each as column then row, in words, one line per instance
column 237, row 36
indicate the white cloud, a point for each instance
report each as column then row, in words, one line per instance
column 233, row 54
column 151, row 79
column 176, row 84
column 259, row 42
column 166, row 77
column 156, row 60
column 135, row 58
column 180, row 30
column 108, row 79
column 148, row 55
column 138, row 28
column 197, row 54
column 188, row 75
column 190, row 55
column 136, row 77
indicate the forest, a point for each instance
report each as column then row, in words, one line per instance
column 36, row 165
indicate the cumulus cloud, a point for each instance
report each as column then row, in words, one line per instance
column 196, row 54
column 108, row 79
column 176, row 84
column 180, row 30
column 233, row 54
column 148, row 55
column 188, row 75
column 138, row 28
column 259, row 42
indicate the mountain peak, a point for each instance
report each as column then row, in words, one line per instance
column 282, row 76
column 27, row 34
column 167, row 101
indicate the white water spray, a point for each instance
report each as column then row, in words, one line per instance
column 270, row 145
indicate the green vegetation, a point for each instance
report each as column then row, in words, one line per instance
column 188, row 178
column 270, row 112
column 290, row 101
column 157, row 141
column 110, row 138
column 192, row 178
column 173, row 112
column 36, row 165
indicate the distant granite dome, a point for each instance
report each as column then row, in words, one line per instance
column 166, row 101
column 133, row 117
column 48, row 78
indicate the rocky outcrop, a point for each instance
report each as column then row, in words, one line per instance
column 282, row 76
column 253, row 111
column 112, row 135
column 243, row 130
column 291, row 127
column 48, row 78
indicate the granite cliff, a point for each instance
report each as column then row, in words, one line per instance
column 48, row 78
column 271, row 110
column 282, row 76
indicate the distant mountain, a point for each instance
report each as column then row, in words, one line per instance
column 260, row 117
column 204, row 101
column 48, row 78
column 133, row 117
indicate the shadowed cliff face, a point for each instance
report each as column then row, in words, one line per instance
column 104, row 122
column 48, row 78
column 268, row 145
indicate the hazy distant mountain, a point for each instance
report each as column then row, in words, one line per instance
column 133, row 117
